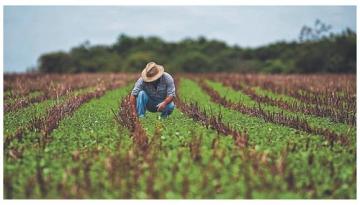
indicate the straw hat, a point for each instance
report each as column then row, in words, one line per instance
column 152, row 72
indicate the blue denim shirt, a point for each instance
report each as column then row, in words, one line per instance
column 165, row 88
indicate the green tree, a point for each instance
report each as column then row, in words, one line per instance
column 317, row 51
column 194, row 62
column 138, row 60
column 56, row 62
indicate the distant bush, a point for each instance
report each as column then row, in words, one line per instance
column 138, row 60
column 57, row 62
column 278, row 66
column 194, row 62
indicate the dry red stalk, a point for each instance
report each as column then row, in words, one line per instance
column 185, row 187
column 129, row 120
column 194, row 147
column 23, row 102
column 18, row 134
column 8, row 187
column 40, row 178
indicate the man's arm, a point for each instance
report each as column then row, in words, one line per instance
column 163, row 104
column 170, row 93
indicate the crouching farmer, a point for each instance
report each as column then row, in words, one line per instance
column 154, row 91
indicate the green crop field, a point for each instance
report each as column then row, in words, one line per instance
column 231, row 136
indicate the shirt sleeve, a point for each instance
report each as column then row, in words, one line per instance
column 170, row 86
column 138, row 87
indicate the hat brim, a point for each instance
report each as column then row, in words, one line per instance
column 155, row 77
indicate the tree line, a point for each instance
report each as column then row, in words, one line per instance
column 316, row 51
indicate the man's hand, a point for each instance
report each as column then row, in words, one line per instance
column 161, row 106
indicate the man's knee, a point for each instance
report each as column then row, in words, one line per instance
column 142, row 94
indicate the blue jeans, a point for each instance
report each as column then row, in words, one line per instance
column 143, row 103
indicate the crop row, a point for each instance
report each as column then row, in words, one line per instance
column 193, row 111
column 96, row 154
column 19, row 123
column 303, row 155
column 45, row 124
column 326, row 90
column 294, row 106
column 67, row 165
column 14, row 104
column 72, row 166
column 256, row 159
column 22, row 84
column 314, row 121
column 52, row 87
column 217, row 168
column 278, row 118
column 127, row 119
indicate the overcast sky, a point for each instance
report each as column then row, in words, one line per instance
column 30, row 31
